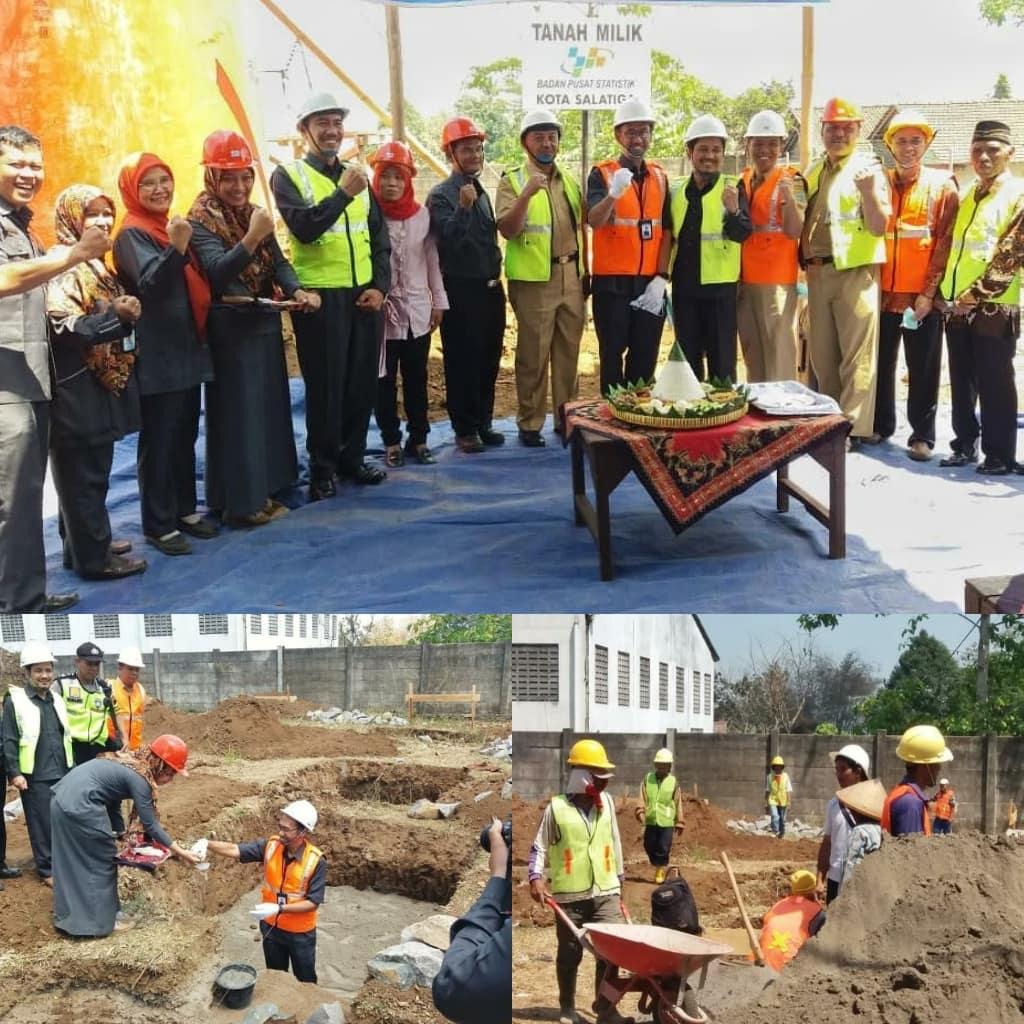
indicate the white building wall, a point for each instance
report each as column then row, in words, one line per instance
column 563, row 630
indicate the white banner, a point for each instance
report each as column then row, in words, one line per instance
column 571, row 62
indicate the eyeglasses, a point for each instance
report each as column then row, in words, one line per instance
column 289, row 828
column 637, row 133
column 470, row 148
column 162, row 182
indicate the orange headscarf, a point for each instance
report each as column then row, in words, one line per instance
column 132, row 171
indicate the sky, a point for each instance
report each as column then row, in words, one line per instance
column 870, row 50
column 876, row 638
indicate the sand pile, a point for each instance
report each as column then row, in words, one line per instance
column 929, row 931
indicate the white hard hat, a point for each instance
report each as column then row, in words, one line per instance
column 856, row 754
column 943, row 782
column 707, row 126
column 303, row 812
column 663, row 756
column 539, row 118
column 766, row 124
column 633, row 110
column 131, row 656
column 318, row 103
column 35, row 652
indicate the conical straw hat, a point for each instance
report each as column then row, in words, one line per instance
column 865, row 798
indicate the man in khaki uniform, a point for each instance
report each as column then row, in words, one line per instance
column 843, row 247
column 539, row 209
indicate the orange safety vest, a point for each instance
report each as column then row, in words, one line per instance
column 131, row 705
column 944, row 804
column 786, row 927
column 909, row 234
column 901, row 790
column 292, row 883
column 769, row 255
column 618, row 247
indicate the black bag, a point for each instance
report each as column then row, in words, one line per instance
column 673, row 905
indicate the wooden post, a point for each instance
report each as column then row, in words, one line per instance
column 410, row 704
column 395, row 73
column 584, row 148
column 472, row 704
column 807, row 87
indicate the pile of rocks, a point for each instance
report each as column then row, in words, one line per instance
column 762, row 826
column 417, row 958
column 335, row 716
column 499, row 749
column 268, row 1013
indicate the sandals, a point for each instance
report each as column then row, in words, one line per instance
column 422, row 454
column 394, row 456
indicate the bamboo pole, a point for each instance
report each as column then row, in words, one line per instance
column 395, row 72
column 806, row 86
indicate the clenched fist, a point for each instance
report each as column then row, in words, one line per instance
column 467, row 195
column 179, row 231
column 93, row 244
column 353, row 181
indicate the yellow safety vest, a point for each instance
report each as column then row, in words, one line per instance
column 778, row 790
column 975, row 235
column 719, row 256
column 87, row 711
column 582, row 859
column 852, row 244
column 341, row 256
column 661, row 800
column 29, row 720
column 528, row 255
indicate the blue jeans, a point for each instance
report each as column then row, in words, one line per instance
column 941, row 827
column 778, row 819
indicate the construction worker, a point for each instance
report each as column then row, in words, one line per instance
column 578, row 843
column 294, row 883
column 982, row 326
column 710, row 220
column 129, row 697
column 341, row 250
column 842, row 247
column 90, row 707
column 661, row 812
column 766, row 301
column 791, row 921
column 862, row 805
column 539, row 208
column 778, row 795
column 922, row 749
column 628, row 208
column 36, row 737
column 917, row 242
column 462, row 222
column 943, row 809
column 852, row 764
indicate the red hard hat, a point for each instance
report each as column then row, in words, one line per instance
column 227, row 151
column 172, row 751
column 459, row 128
column 394, row 153
column 840, row 111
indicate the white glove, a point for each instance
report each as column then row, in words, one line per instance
column 653, row 298
column 621, row 180
column 264, row 910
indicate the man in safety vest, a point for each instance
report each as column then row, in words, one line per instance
column 294, row 883
column 89, row 706
column 661, row 812
column 628, row 209
column 922, row 749
column 982, row 326
column 710, row 220
column 539, row 208
column 36, row 737
column 791, row 921
column 472, row 331
column 943, row 809
column 340, row 249
column 778, row 794
column 842, row 247
column 129, row 697
column 917, row 242
column 766, row 303
column 578, row 845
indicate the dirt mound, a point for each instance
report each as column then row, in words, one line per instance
column 244, row 727
column 927, row 932
column 395, row 783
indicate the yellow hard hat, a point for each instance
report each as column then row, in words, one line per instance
column 589, row 754
column 802, row 882
column 923, row 744
column 663, row 756
column 909, row 118
column 778, row 761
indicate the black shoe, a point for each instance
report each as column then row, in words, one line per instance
column 175, row 544
column 201, row 528
column 992, row 467
column 420, row 453
column 321, row 487
column 531, row 438
column 59, row 602
column 469, row 443
column 117, row 567
column 491, row 438
column 6, row 872
column 959, row 459
column 1019, row 468
column 363, row 474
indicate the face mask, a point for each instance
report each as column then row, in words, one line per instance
column 545, row 158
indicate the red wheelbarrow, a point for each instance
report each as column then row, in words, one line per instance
column 659, row 962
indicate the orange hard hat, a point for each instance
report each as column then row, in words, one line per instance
column 227, row 151
column 459, row 128
column 394, row 153
column 172, row 751
column 840, row 111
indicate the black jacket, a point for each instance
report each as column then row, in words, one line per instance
column 467, row 240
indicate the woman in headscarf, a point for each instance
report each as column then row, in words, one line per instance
column 96, row 398
column 250, row 446
column 152, row 257
column 85, row 899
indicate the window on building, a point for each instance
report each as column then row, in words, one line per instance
column 106, row 627
column 213, row 625
column 623, row 679
column 600, row 674
column 316, row 627
column 680, row 690
column 12, row 628
column 707, row 694
column 58, row 627
column 662, row 686
column 271, row 625
column 645, row 682
column 256, row 624
column 696, row 692
column 289, row 625
column 157, row 625
column 535, row 672
column 302, row 626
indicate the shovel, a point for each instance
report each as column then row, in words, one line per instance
column 755, row 946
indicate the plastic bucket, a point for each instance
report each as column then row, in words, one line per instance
column 233, row 986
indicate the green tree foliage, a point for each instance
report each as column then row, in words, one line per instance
column 836, row 691
column 1001, row 90
column 461, row 629
column 826, row 729
column 492, row 95
column 997, row 11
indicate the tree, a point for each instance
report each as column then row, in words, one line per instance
column 997, row 11
column 492, row 95
column 461, row 629
column 763, row 700
column 836, row 691
column 1001, row 90
column 354, row 629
